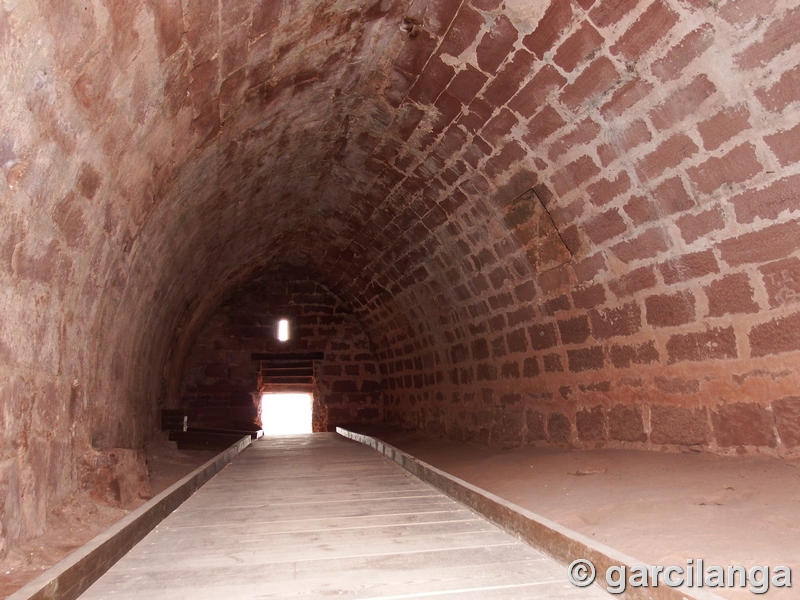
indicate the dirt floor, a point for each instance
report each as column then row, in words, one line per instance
column 79, row 518
column 661, row 508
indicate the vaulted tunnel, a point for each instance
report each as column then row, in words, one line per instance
column 549, row 223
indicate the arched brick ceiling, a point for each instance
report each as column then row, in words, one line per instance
column 177, row 150
column 158, row 154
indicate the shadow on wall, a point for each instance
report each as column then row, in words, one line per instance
column 220, row 381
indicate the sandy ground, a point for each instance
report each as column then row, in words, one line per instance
column 661, row 508
column 167, row 464
column 79, row 518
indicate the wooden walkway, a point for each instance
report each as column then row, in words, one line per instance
column 317, row 516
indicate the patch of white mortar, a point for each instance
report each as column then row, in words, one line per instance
column 526, row 14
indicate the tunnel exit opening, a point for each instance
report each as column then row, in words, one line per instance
column 286, row 413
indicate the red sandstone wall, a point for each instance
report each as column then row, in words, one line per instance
column 220, row 383
column 139, row 143
column 662, row 140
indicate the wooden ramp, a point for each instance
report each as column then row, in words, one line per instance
column 318, row 516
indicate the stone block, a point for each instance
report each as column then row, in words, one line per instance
column 743, row 424
column 678, row 425
column 534, row 426
column 591, row 424
column 712, row 343
column 625, row 424
column 787, row 420
column 559, row 429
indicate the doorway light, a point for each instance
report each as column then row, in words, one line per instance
column 283, row 414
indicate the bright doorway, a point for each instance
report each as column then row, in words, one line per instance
column 283, row 414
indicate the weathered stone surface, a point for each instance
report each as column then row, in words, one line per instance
column 535, row 426
column 787, row 420
column 625, row 424
column 621, row 321
column 591, row 424
column 741, row 424
column 782, row 280
column 677, row 385
column 714, row 343
column 116, row 477
column 677, row 425
column 731, row 294
column 623, row 356
column 513, row 421
column 776, row 336
column 559, row 429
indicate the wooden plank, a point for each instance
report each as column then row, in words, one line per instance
column 173, row 419
column 484, row 557
column 285, row 380
column 316, row 516
column 289, row 370
column 286, row 364
column 194, row 440
column 273, row 548
column 448, row 576
column 288, row 356
column 324, row 526
column 288, row 388
column 303, row 513
column 321, row 530
column 254, row 434
column 400, row 575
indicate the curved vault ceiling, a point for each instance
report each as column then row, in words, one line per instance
column 159, row 153
column 179, row 148
column 282, row 149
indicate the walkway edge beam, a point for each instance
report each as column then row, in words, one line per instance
column 557, row 541
column 70, row 577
